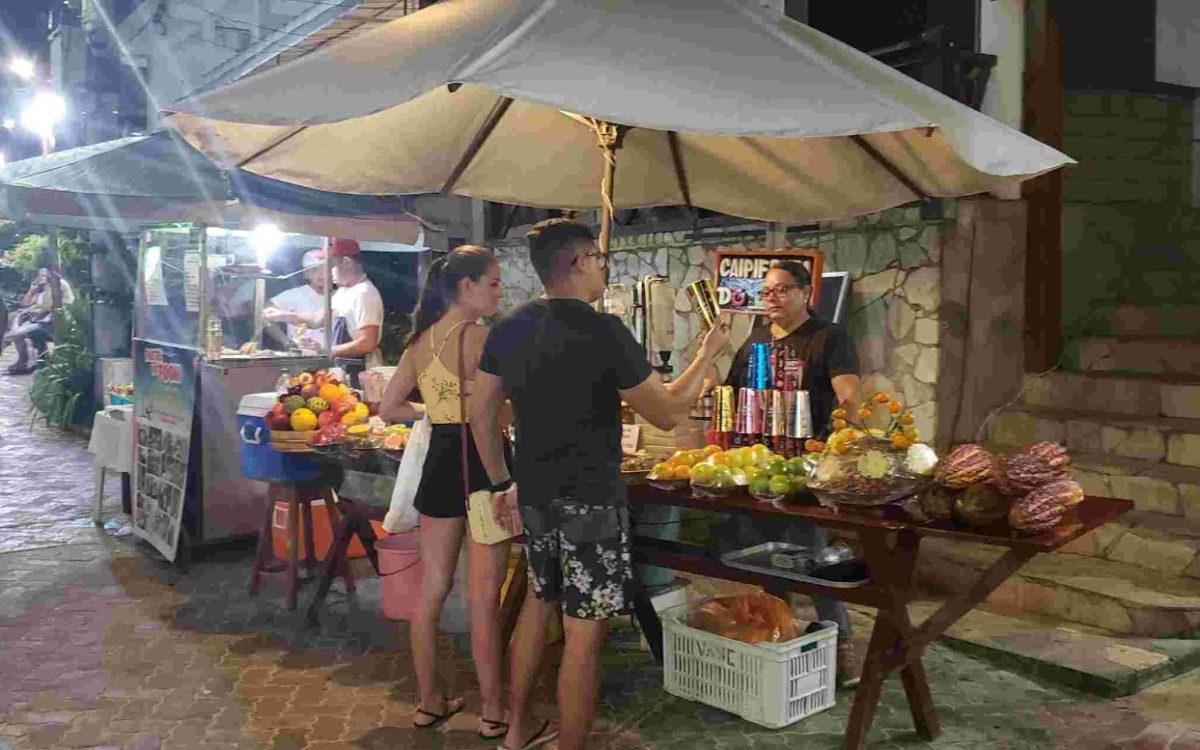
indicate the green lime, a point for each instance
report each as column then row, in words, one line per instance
column 796, row 466
column 761, row 485
column 799, row 484
column 703, row 474
column 778, row 466
column 779, row 485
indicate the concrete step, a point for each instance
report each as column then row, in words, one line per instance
column 1164, row 320
column 1175, row 395
column 1153, row 487
column 1155, row 541
column 1115, row 596
column 1090, row 659
column 1174, row 440
column 1139, row 354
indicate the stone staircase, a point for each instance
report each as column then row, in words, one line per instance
column 1133, row 435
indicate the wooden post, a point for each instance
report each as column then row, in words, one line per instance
column 1043, row 119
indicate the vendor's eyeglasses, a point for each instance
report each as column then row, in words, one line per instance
column 777, row 291
column 594, row 254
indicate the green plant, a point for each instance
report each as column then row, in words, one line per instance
column 27, row 256
column 62, row 386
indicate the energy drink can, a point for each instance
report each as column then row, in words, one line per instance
column 760, row 366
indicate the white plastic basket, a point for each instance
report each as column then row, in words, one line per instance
column 771, row 684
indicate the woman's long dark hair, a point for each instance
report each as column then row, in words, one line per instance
column 441, row 284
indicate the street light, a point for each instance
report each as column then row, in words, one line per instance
column 266, row 239
column 22, row 67
column 43, row 113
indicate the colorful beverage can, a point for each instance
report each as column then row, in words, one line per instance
column 760, row 359
column 776, row 413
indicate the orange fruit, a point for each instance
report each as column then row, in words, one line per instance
column 304, row 420
column 709, row 450
column 329, row 392
column 894, row 407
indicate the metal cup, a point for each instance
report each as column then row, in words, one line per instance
column 800, row 417
column 703, row 295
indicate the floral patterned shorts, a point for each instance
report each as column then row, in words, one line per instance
column 579, row 555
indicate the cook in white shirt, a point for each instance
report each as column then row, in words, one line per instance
column 306, row 298
column 357, row 306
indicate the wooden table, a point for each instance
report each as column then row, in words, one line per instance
column 890, row 545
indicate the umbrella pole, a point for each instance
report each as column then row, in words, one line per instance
column 610, row 137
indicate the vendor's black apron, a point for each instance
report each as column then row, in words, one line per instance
column 352, row 366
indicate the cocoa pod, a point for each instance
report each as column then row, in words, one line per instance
column 981, row 505
column 1028, row 471
column 938, row 502
column 963, row 466
column 1054, row 454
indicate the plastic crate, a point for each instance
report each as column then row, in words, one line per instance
column 771, row 684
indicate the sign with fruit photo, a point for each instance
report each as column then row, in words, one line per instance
column 165, row 381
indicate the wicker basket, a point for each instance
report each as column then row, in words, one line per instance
column 291, row 441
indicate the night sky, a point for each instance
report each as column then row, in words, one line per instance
column 22, row 26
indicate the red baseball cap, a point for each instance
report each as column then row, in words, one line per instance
column 341, row 247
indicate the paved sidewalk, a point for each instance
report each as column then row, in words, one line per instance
column 104, row 645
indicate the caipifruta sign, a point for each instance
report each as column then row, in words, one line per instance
column 740, row 275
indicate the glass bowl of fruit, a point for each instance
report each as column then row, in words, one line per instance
column 675, row 473
column 781, row 479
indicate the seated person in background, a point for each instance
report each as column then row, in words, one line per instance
column 34, row 322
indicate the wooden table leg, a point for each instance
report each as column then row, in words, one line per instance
column 343, row 568
column 335, row 562
column 651, row 625
column 263, row 554
column 310, row 544
column 293, row 547
column 892, row 569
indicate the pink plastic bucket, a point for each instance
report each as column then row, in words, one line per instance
column 399, row 574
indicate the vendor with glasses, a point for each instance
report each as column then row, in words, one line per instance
column 831, row 379
column 830, row 362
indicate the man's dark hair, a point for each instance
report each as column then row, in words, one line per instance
column 550, row 242
column 798, row 271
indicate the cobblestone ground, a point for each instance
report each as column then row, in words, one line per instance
column 103, row 645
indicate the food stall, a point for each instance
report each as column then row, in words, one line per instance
column 198, row 349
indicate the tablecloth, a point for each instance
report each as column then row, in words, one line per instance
column 112, row 438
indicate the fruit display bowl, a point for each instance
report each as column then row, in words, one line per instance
column 719, row 493
column 668, row 485
column 768, row 497
column 868, row 493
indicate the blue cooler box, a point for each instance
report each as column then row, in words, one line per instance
column 259, row 459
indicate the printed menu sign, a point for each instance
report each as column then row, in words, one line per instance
column 165, row 382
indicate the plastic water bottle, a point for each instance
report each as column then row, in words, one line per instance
column 284, row 384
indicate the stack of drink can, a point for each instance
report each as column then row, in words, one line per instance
column 768, row 407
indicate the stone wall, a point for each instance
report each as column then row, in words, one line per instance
column 892, row 311
column 1131, row 229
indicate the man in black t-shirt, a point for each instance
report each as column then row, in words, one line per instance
column 831, row 378
column 567, row 368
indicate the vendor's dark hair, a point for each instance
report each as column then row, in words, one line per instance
column 549, row 242
column 797, row 269
column 441, row 284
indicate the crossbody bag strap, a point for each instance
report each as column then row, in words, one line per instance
column 462, row 407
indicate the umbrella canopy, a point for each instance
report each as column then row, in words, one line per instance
column 158, row 177
column 728, row 107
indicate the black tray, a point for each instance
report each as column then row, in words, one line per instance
column 757, row 559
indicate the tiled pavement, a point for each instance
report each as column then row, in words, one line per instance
column 102, row 645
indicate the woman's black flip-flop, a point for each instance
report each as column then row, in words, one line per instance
column 541, row 737
column 497, row 728
column 440, row 719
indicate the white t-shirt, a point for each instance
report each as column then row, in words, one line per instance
column 361, row 305
column 45, row 298
column 305, row 299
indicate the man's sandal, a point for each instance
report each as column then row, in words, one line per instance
column 543, row 735
column 453, row 706
column 495, row 729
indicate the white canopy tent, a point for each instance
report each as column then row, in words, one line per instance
column 709, row 103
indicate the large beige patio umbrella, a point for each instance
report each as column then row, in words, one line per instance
column 712, row 103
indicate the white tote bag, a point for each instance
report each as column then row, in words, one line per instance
column 402, row 516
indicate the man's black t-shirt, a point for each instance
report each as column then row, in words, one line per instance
column 827, row 352
column 563, row 363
